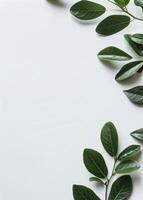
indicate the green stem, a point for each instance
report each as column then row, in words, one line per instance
column 109, row 179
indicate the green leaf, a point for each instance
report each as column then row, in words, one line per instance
column 136, row 47
column 139, row 3
column 121, row 188
column 95, row 163
column 113, row 53
column 127, row 166
column 137, row 38
column 138, row 134
column 113, row 24
column 122, row 3
column 95, row 179
column 129, row 70
column 109, row 138
column 129, row 152
column 87, row 10
column 83, row 193
column 135, row 94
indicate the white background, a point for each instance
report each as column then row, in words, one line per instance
column 55, row 96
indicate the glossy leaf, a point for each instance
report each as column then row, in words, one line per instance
column 129, row 70
column 87, row 10
column 122, row 3
column 135, row 94
column 81, row 192
column 139, row 3
column 136, row 47
column 127, row 166
column 129, row 152
column 113, row 24
column 95, row 179
column 113, row 53
column 138, row 134
column 95, row 163
column 121, row 188
column 137, row 38
column 109, row 138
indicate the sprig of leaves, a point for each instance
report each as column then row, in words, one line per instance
column 124, row 164
column 131, row 68
column 89, row 10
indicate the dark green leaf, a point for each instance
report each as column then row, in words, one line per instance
column 135, row 94
column 137, row 38
column 83, row 193
column 95, row 163
column 138, row 134
column 136, row 47
column 129, row 70
column 109, row 138
column 95, row 179
column 87, row 10
column 122, row 3
column 113, row 24
column 129, row 152
column 121, row 188
column 139, row 3
column 113, row 53
column 127, row 166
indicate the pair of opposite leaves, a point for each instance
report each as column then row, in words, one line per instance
column 88, row 10
column 94, row 162
column 130, row 69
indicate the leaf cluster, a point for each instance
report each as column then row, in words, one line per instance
column 89, row 10
column 124, row 164
column 130, row 69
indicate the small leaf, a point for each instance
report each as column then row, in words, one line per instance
column 127, row 166
column 129, row 152
column 121, row 188
column 139, row 3
column 129, row 70
column 109, row 138
column 87, row 10
column 136, row 47
column 113, row 24
column 122, row 3
column 138, row 134
column 113, row 53
column 83, row 193
column 137, row 38
column 95, row 179
column 95, row 163
column 135, row 94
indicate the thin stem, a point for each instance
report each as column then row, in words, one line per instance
column 109, row 179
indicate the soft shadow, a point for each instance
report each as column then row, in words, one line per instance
column 111, row 65
column 57, row 3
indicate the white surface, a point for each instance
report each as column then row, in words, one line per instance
column 55, row 97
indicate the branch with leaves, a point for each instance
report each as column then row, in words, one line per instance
column 88, row 10
column 128, row 70
column 123, row 164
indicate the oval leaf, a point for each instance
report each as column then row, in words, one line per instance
column 87, row 10
column 127, row 166
column 129, row 152
column 81, row 192
column 113, row 53
column 113, row 24
column 129, row 70
column 109, row 138
column 95, row 163
column 137, row 38
column 138, row 134
column 95, row 179
column 121, row 188
column 122, row 3
column 135, row 94
column 136, row 47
